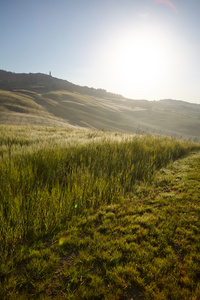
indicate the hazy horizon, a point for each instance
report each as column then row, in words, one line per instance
column 139, row 49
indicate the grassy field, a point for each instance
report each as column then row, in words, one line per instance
column 98, row 215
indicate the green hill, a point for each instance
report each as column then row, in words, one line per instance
column 39, row 99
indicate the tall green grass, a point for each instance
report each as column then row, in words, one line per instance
column 49, row 175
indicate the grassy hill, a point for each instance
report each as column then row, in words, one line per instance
column 98, row 215
column 39, row 99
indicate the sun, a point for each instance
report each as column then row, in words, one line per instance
column 140, row 58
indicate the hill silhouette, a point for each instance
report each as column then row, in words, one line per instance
column 40, row 99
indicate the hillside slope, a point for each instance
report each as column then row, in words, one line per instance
column 40, row 99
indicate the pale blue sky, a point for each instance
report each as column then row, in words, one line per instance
column 142, row 49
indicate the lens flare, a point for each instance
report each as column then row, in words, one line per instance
column 171, row 5
column 61, row 241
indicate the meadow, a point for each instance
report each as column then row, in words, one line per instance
column 97, row 215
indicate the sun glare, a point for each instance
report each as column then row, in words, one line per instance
column 139, row 58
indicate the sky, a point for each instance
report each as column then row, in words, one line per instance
column 141, row 49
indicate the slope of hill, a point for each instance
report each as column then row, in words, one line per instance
column 40, row 99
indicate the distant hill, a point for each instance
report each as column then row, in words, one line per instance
column 41, row 82
column 39, row 99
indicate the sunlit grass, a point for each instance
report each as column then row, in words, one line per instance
column 88, row 195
